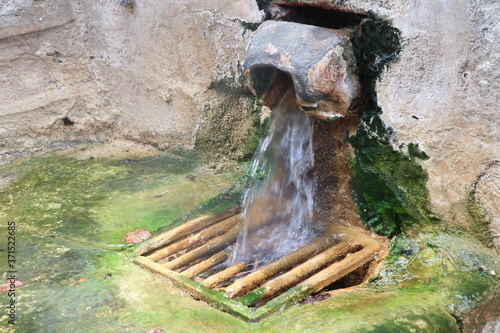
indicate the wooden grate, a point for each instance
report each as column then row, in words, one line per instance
column 190, row 254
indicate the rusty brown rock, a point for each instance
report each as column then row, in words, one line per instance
column 136, row 236
column 10, row 285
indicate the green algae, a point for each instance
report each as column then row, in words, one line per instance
column 388, row 185
column 376, row 45
column 84, row 300
column 68, row 210
column 64, row 275
column 58, row 302
column 415, row 151
column 367, row 310
column 164, row 202
column 99, row 200
column 251, row 298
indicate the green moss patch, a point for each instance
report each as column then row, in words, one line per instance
column 99, row 200
column 388, row 185
column 76, row 281
column 70, row 216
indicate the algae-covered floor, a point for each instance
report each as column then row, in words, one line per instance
column 72, row 208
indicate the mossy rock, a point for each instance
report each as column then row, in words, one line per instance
column 388, row 185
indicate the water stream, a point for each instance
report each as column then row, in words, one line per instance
column 278, row 205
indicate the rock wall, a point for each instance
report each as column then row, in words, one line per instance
column 443, row 94
column 74, row 70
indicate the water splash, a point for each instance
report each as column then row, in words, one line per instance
column 278, row 206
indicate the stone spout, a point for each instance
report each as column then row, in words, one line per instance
column 319, row 61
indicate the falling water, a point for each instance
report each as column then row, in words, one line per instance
column 278, row 206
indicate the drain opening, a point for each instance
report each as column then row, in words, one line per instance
column 321, row 17
column 194, row 256
column 67, row 122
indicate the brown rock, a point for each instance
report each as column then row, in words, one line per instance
column 136, row 236
column 7, row 286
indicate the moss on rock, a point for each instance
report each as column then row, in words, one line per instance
column 230, row 128
column 388, row 185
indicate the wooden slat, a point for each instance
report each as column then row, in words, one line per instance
column 215, row 245
column 225, row 275
column 300, row 272
column 340, row 269
column 205, row 265
column 184, row 230
column 198, row 238
column 255, row 279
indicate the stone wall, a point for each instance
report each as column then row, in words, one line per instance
column 443, row 94
column 74, row 70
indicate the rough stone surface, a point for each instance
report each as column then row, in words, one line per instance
column 446, row 79
column 226, row 132
column 320, row 62
column 485, row 195
column 79, row 70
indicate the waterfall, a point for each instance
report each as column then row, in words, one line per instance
column 278, row 205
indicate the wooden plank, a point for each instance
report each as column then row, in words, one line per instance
column 215, row 245
column 255, row 279
column 225, row 275
column 184, row 230
column 205, row 265
column 198, row 238
column 340, row 269
column 294, row 276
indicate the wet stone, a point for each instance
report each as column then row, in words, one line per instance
column 319, row 60
column 136, row 236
